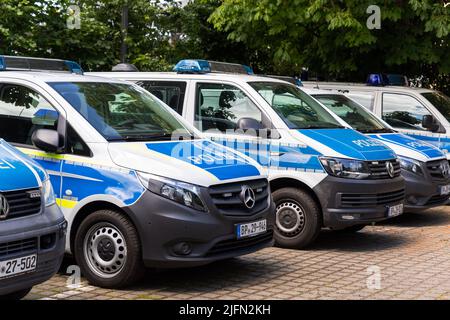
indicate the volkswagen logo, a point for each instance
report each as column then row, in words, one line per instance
column 390, row 169
column 4, row 207
column 248, row 197
column 444, row 169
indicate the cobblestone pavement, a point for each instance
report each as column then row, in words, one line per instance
column 411, row 253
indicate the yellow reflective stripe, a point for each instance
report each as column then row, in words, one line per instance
column 68, row 204
column 67, row 157
column 38, row 153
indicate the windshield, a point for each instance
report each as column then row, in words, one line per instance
column 352, row 113
column 297, row 109
column 121, row 112
column 440, row 101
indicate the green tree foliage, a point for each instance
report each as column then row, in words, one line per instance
column 331, row 36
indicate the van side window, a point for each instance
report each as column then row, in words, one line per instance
column 22, row 112
column 363, row 98
column 170, row 92
column 403, row 111
column 221, row 106
column 76, row 145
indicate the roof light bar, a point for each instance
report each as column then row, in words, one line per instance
column 381, row 79
column 10, row 63
column 204, row 66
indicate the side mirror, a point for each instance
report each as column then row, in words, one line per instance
column 429, row 123
column 46, row 140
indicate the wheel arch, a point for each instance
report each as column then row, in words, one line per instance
column 284, row 182
column 90, row 208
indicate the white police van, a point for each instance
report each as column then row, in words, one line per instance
column 421, row 113
column 136, row 184
column 32, row 227
column 424, row 167
column 322, row 173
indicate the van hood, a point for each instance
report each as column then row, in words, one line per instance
column 406, row 146
column 199, row 162
column 345, row 143
column 17, row 171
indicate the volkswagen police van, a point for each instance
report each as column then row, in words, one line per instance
column 136, row 184
column 322, row 173
column 421, row 113
column 424, row 167
column 32, row 227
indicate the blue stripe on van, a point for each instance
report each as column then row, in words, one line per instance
column 213, row 158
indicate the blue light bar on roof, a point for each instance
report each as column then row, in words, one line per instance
column 192, row 66
column 376, row 79
column 10, row 63
column 204, row 66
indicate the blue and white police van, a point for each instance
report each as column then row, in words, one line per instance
column 32, row 227
column 322, row 173
column 424, row 167
column 137, row 185
column 421, row 113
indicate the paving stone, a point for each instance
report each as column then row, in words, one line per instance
column 411, row 251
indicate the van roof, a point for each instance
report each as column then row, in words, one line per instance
column 189, row 76
column 361, row 87
column 46, row 76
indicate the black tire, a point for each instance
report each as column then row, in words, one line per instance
column 292, row 206
column 352, row 229
column 113, row 240
column 16, row 295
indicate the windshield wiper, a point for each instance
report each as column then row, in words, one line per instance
column 152, row 137
column 331, row 126
column 381, row 130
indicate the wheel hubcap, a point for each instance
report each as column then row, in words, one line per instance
column 290, row 218
column 105, row 250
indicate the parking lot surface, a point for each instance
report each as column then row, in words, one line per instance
column 405, row 258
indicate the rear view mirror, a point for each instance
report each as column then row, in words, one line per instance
column 46, row 140
column 429, row 123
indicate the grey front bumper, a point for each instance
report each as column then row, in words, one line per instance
column 164, row 225
column 423, row 192
column 49, row 225
column 372, row 199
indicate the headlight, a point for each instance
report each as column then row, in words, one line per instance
column 346, row 168
column 181, row 192
column 48, row 193
column 411, row 165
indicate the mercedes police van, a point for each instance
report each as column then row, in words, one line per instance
column 424, row 167
column 322, row 173
column 421, row 113
column 136, row 184
column 32, row 227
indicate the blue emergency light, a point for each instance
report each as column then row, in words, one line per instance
column 381, row 79
column 204, row 66
column 10, row 63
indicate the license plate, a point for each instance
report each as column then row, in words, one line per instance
column 395, row 210
column 445, row 189
column 251, row 229
column 17, row 266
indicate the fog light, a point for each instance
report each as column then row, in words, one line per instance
column 48, row 241
column 412, row 200
column 351, row 216
column 182, row 248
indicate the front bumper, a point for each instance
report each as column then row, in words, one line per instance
column 34, row 229
column 348, row 202
column 165, row 227
column 423, row 192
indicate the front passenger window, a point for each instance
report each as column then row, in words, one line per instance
column 403, row 111
column 223, row 107
column 22, row 112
